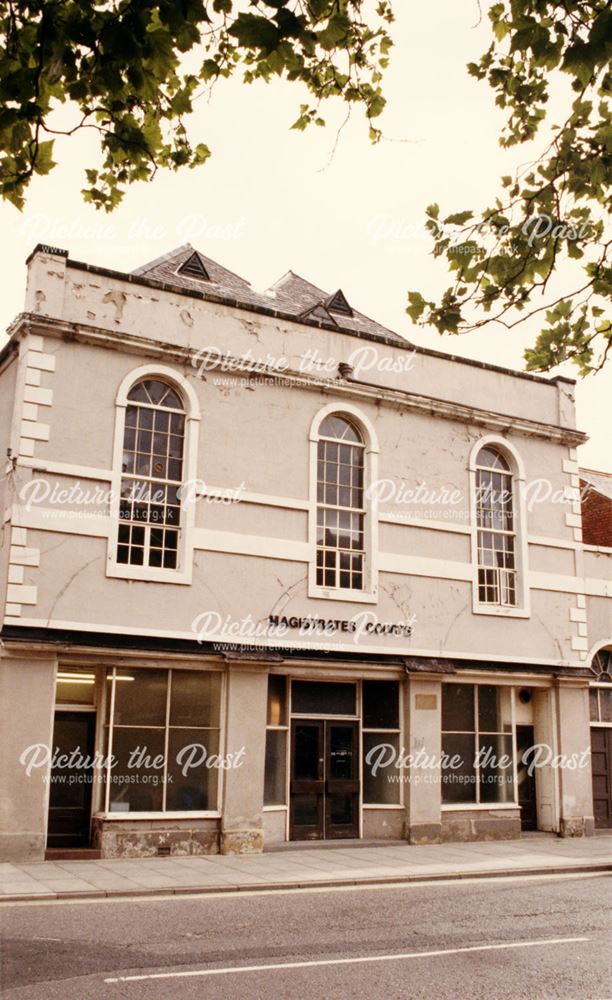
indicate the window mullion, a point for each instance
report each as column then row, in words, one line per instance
column 145, row 558
column 514, row 751
column 476, row 744
column 111, row 722
column 166, row 739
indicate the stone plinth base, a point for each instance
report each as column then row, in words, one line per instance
column 424, row 833
column 577, row 826
column 242, row 841
column 489, row 824
column 22, row 847
column 155, row 838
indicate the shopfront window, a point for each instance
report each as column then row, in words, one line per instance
column 381, row 735
column 275, row 773
column 163, row 741
column 477, row 744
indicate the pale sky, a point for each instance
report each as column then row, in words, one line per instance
column 271, row 199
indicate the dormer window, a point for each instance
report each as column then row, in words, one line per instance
column 337, row 303
column 194, row 267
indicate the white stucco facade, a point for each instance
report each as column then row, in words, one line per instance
column 247, row 558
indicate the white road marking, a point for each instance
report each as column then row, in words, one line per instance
column 345, row 961
column 148, row 897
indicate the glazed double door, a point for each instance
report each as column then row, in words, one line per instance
column 324, row 802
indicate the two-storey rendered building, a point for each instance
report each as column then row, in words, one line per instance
column 268, row 572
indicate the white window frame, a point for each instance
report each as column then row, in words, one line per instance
column 598, row 685
column 369, row 594
column 183, row 574
column 522, row 608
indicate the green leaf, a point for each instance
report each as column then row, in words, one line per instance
column 44, row 159
column 459, row 218
column 416, row 305
column 335, row 33
column 255, row 32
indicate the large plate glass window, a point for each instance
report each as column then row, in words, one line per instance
column 381, row 736
column 477, row 744
column 162, row 736
column 275, row 772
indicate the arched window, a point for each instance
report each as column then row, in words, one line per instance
column 496, row 529
column 340, row 505
column 151, row 474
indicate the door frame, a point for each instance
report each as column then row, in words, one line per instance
column 91, row 713
column 356, row 795
column 312, row 786
column 324, row 724
column 532, row 779
column 315, row 716
column 607, row 729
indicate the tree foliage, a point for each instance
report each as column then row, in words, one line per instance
column 119, row 65
column 553, row 212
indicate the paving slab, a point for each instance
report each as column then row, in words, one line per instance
column 132, row 877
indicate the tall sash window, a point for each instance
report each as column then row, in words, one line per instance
column 152, row 472
column 340, row 505
column 495, row 519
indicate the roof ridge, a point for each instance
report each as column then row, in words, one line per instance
column 282, row 278
column 304, row 281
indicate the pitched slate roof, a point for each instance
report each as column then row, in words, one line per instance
column 601, row 481
column 301, row 298
column 290, row 295
column 220, row 280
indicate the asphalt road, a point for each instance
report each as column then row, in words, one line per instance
column 439, row 941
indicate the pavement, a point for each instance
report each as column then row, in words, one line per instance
column 302, row 867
